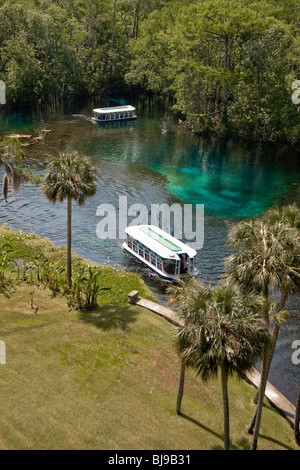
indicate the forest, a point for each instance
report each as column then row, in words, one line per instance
column 226, row 67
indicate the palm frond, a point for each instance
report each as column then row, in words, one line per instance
column 70, row 175
column 222, row 327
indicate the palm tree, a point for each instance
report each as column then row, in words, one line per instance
column 70, row 176
column 188, row 289
column 11, row 157
column 269, row 257
column 221, row 331
column 288, row 217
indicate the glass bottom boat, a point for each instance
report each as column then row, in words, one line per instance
column 118, row 113
column 164, row 254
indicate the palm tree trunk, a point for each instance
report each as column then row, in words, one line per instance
column 256, row 419
column 69, row 241
column 275, row 333
column 284, row 294
column 180, row 387
column 297, row 421
column 224, row 379
column 261, row 395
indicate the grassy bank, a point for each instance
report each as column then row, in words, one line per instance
column 107, row 378
column 26, row 248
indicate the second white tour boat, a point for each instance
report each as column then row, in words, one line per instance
column 118, row 113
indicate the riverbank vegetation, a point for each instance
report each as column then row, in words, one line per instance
column 40, row 264
column 226, row 67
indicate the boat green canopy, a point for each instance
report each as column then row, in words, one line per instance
column 160, row 238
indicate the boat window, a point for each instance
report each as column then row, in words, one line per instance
column 121, row 115
column 141, row 251
column 183, row 263
column 135, row 247
column 147, row 255
column 153, row 259
column 169, row 266
column 159, row 264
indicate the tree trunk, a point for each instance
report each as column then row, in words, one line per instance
column 276, row 327
column 225, row 91
column 112, row 39
column 266, row 101
column 297, row 421
column 263, row 382
column 275, row 333
column 180, row 387
column 261, row 395
column 224, row 379
column 69, row 241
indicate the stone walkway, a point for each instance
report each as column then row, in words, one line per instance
column 276, row 399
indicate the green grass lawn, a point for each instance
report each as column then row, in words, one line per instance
column 107, row 379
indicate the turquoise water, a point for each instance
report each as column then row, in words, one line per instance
column 234, row 192
column 231, row 180
column 153, row 160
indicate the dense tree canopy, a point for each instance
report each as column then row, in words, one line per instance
column 228, row 66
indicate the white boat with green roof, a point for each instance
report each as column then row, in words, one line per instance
column 117, row 113
column 170, row 258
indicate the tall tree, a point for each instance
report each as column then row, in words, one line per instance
column 267, row 256
column 224, row 63
column 223, row 332
column 71, row 177
column 289, row 282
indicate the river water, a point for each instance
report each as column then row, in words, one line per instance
column 154, row 160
